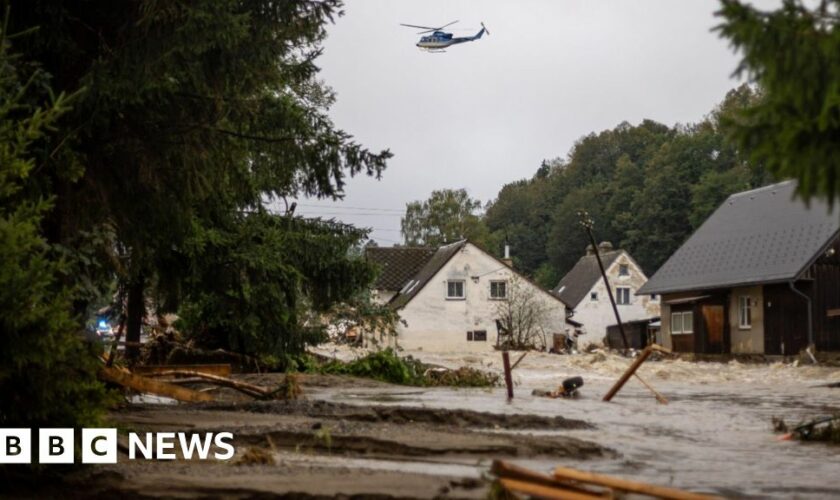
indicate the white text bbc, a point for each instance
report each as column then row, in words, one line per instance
column 99, row 446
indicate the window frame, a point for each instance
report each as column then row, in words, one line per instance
column 593, row 296
column 463, row 295
column 623, row 270
column 618, row 294
column 744, row 306
column 504, row 288
column 682, row 315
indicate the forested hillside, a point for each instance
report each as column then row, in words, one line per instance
column 646, row 186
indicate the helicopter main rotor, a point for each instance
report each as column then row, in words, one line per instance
column 428, row 29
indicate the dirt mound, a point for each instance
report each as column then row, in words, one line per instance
column 400, row 414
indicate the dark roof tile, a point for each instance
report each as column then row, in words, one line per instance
column 433, row 265
column 397, row 264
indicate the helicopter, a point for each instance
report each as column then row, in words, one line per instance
column 439, row 39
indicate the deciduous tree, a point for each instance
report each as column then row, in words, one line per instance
column 448, row 215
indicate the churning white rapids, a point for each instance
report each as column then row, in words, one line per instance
column 715, row 435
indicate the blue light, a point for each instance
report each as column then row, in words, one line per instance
column 103, row 324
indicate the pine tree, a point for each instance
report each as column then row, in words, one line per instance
column 791, row 53
column 192, row 113
column 47, row 373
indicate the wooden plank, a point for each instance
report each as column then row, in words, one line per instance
column 151, row 386
column 833, row 313
column 502, row 469
column 542, row 491
column 218, row 369
column 566, row 474
column 628, row 373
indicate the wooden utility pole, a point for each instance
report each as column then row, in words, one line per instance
column 587, row 224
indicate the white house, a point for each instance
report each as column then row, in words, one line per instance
column 584, row 291
column 451, row 297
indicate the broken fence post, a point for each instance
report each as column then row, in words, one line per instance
column 508, row 377
column 632, row 371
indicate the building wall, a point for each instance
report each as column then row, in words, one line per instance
column 434, row 323
column 747, row 340
column 664, row 336
column 597, row 315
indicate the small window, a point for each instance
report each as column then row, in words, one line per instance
column 593, row 296
column 498, row 290
column 623, row 270
column 469, row 336
column 688, row 322
column 480, row 336
column 744, row 313
column 682, row 322
column 676, row 323
column 455, row 289
column 654, row 297
column 622, row 296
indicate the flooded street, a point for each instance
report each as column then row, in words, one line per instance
column 715, row 434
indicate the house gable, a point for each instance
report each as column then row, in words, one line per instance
column 434, row 321
column 579, row 281
column 437, row 265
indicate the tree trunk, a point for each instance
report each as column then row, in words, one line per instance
column 134, row 321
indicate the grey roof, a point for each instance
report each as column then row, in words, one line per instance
column 440, row 257
column 576, row 283
column 759, row 236
column 397, row 264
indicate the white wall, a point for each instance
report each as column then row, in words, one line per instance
column 437, row 324
column 597, row 315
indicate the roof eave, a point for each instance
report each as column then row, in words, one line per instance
column 662, row 291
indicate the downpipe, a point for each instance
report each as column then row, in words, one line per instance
column 810, row 321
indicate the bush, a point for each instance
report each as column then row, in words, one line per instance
column 387, row 366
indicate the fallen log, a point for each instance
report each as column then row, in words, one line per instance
column 250, row 389
column 218, row 369
column 149, row 385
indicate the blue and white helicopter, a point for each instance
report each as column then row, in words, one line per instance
column 439, row 39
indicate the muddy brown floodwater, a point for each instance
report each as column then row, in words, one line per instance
column 358, row 438
column 715, row 435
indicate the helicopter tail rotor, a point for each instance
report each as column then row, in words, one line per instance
column 485, row 28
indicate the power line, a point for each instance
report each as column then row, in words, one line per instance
column 363, row 214
column 343, row 207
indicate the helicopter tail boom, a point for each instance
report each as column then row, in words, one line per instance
column 480, row 33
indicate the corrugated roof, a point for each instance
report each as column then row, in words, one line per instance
column 576, row 283
column 427, row 272
column 760, row 236
column 397, row 264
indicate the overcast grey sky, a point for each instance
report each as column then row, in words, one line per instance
column 486, row 113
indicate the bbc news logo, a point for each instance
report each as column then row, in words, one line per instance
column 99, row 446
